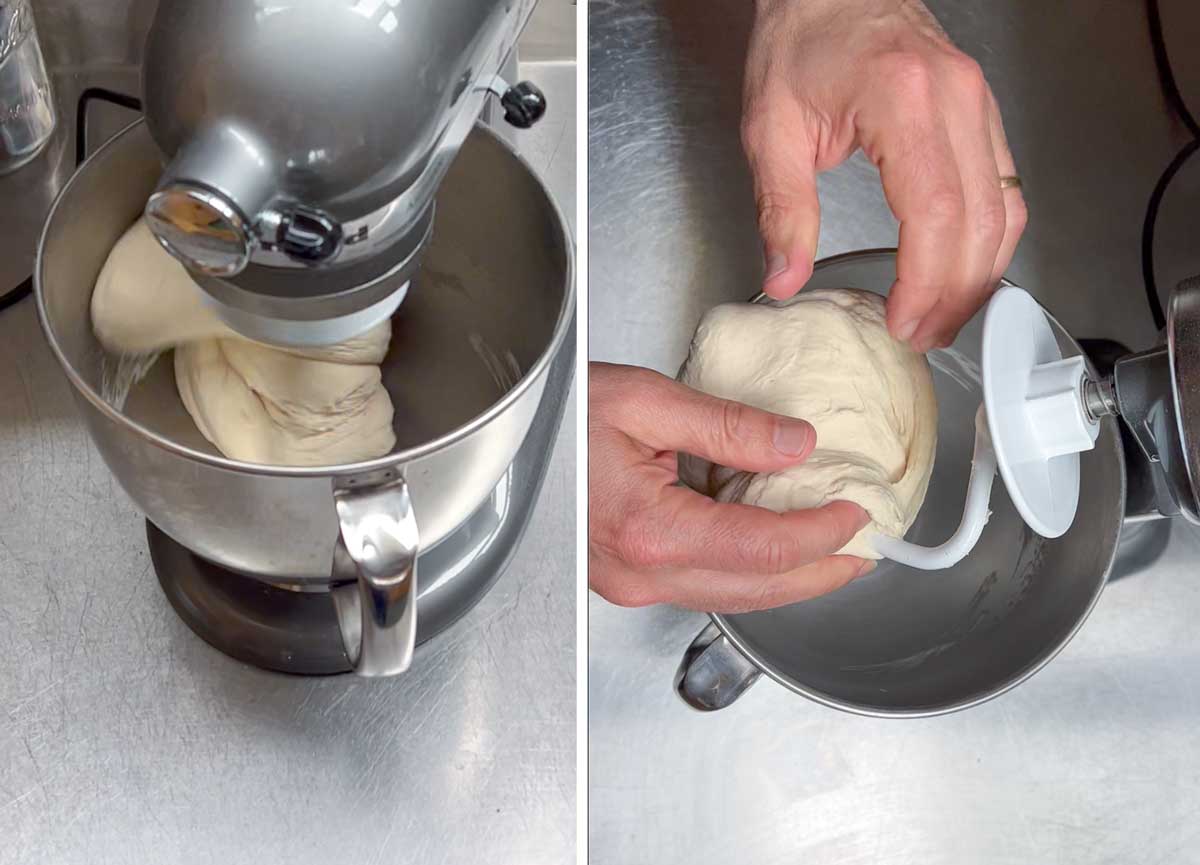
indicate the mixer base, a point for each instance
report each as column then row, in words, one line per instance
column 256, row 622
column 290, row 631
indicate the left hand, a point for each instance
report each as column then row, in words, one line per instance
column 652, row 540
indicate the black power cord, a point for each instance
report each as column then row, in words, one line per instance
column 18, row 294
column 1177, row 105
column 101, row 94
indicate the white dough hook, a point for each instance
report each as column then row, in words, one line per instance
column 1032, row 426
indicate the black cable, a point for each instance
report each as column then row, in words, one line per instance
column 1156, row 197
column 1165, row 76
column 105, row 95
column 18, row 294
column 1177, row 105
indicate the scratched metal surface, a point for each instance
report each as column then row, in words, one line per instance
column 124, row 738
column 1095, row 759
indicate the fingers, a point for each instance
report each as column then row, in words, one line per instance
column 983, row 226
column 1015, row 213
column 937, row 139
column 665, row 415
column 724, row 592
column 686, row 529
column 926, row 194
column 903, row 132
column 718, row 592
column 647, row 534
column 783, row 164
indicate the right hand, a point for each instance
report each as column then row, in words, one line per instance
column 825, row 78
column 651, row 540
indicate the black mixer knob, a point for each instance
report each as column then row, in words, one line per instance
column 524, row 104
column 309, row 236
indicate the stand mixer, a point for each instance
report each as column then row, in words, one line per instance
column 324, row 170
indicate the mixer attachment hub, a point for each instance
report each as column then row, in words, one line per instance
column 1099, row 398
column 1057, row 415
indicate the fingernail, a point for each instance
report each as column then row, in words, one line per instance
column 777, row 263
column 867, row 566
column 792, row 437
column 863, row 518
column 905, row 330
column 923, row 344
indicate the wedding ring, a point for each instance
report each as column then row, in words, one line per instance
column 1010, row 182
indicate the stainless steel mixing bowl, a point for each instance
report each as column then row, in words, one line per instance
column 903, row 642
column 492, row 301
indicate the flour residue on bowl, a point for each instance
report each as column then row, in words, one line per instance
column 504, row 369
column 964, row 371
column 1014, row 590
column 120, row 373
column 908, row 662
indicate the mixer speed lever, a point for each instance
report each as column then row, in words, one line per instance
column 307, row 235
column 524, row 103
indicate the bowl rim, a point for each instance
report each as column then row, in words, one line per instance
column 536, row 371
column 731, row 632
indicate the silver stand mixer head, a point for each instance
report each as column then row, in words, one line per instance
column 306, row 141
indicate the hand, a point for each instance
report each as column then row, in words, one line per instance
column 826, row 77
column 651, row 540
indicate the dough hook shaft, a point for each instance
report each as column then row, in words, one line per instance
column 975, row 514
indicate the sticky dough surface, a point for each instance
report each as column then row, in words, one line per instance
column 825, row 357
column 255, row 403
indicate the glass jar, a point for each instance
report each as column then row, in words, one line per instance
column 27, row 116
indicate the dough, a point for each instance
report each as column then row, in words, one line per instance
column 826, row 357
column 255, row 403
column 145, row 302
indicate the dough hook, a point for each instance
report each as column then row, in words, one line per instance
column 1039, row 412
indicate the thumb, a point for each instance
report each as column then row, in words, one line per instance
column 783, row 165
column 668, row 416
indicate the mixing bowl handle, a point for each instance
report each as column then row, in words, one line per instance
column 377, row 613
column 713, row 674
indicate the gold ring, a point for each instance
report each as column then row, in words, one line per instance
column 1010, row 182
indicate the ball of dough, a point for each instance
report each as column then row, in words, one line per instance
column 826, row 357
column 256, row 403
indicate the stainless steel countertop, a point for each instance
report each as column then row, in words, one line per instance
column 1093, row 760
column 124, row 738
